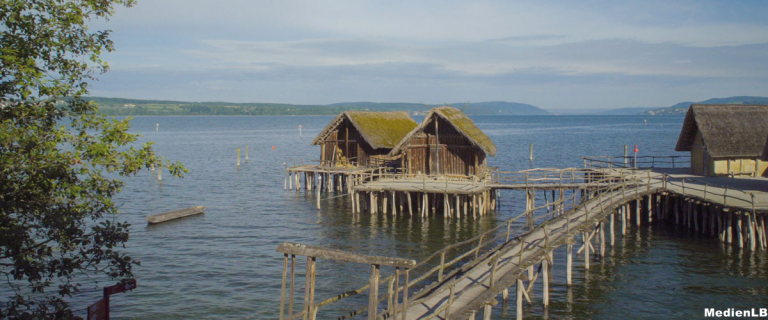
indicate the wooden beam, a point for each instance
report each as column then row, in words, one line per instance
column 325, row 253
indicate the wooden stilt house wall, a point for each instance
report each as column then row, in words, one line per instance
column 362, row 139
column 726, row 139
column 446, row 143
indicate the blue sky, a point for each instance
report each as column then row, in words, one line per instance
column 552, row 54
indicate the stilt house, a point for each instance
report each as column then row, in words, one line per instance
column 726, row 139
column 448, row 143
column 362, row 139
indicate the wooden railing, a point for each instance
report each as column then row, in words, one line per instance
column 458, row 257
column 543, row 176
column 709, row 191
column 309, row 311
column 441, row 268
column 641, row 162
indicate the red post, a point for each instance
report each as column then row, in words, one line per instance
column 106, row 303
column 100, row 309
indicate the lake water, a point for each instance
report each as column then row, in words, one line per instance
column 223, row 264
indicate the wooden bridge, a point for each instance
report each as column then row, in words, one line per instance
column 465, row 278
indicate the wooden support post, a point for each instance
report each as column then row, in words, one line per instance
column 466, row 209
column 696, row 213
column 612, row 228
column 530, row 152
column 545, row 282
column 457, row 210
column 246, row 153
column 445, row 205
column 505, row 295
column 602, row 240
column 384, row 202
column 410, row 205
column 238, row 157
column 728, row 227
column 623, row 211
column 752, row 234
column 587, row 244
column 394, row 204
column 309, row 289
column 568, row 264
column 740, row 229
column 282, row 288
column 405, row 293
column 519, row 302
column 373, row 296
column 293, row 276
column 372, row 203
column 487, row 312
column 159, row 171
column 637, row 212
column 650, row 209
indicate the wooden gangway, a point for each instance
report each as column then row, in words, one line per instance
column 466, row 277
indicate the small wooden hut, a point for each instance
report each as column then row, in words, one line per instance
column 447, row 142
column 726, row 139
column 362, row 139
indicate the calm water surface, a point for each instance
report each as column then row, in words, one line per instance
column 223, row 264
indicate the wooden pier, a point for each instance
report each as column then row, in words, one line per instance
column 465, row 279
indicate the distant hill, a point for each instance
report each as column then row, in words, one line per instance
column 627, row 111
column 682, row 107
column 137, row 107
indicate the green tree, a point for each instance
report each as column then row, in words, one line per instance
column 60, row 162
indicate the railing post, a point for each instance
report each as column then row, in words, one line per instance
column 282, row 291
column 450, row 302
column 309, row 291
column 479, row 244
column 390, row 294
column 373, row 296
column 442, row 266
column 405, row 292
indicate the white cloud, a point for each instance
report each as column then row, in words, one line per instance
column 401, row 51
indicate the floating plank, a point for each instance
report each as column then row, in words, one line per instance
column 178, row 214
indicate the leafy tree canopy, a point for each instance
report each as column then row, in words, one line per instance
column 60, row 162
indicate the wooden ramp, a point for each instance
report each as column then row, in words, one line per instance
column 459, row 296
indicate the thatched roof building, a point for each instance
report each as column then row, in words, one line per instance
column 447, row 142
column 360, row 138
column 726, row 139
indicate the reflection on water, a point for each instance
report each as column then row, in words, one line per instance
column 223, row 264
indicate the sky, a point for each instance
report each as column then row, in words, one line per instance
column 551, row 54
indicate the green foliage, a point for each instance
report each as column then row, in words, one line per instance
column 59, row 162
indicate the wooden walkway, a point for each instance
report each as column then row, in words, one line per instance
column 465, row 278
column 470, row 290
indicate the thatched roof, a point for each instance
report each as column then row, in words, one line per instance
column 381, row 130
column 728, row 130
column 460, row 122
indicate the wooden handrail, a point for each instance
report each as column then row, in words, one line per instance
column 332, row 254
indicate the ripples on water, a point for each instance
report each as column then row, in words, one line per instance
column 223, row 264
